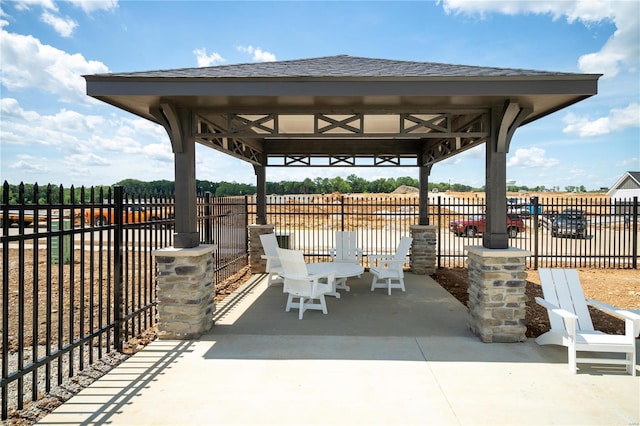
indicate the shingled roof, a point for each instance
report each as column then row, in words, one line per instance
column 341, row 66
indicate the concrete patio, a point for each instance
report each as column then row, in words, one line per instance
column 404, row 359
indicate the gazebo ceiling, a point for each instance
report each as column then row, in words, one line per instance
column 340, row 110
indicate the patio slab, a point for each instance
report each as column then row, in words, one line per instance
column 404, row 359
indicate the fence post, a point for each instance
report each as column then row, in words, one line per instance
column 5, row 300
column 118, row 304
column 208, row 226
column 439, row 255
column 634, row 233
column 246, row 221
column 536, row 223
column 342, row 212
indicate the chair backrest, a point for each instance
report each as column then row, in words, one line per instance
column 346, row 246
column 269, row 244
column 562, row 288
column 403, row 248
column 292, row 262
column 293, row 266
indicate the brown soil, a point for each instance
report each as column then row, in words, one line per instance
column 617, row 287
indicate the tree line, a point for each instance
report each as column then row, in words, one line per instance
column 352, row 184
column 44, row 194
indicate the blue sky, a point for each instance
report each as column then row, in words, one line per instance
column 51, row 132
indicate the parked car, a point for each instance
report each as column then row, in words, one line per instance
column 476, row 224
column 570, row 223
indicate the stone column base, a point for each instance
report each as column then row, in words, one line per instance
column 185, row 291
column 423, row 249
column 257, row 264
column 497, row 283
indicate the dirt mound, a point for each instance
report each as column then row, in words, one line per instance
column 404, row 189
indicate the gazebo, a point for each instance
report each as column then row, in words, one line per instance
column 341, row 111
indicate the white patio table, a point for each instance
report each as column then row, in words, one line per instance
column 343, row 271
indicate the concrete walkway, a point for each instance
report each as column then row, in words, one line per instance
column 404, row 359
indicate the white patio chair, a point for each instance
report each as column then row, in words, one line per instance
column 274, row 268
column 346, row 249
column 571, row 324
column 387, row 270
column 303, row 286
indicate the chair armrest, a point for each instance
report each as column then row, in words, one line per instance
column 373, row 258
column 387, row 261
column 264, row 256
column 568, row 318
column 632, row 320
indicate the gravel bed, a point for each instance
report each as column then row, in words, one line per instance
column 70, row 386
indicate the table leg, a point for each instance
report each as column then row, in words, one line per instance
column 341, row 283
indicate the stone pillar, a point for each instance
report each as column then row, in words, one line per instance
column 185, row 291
column 497, row 283
column 423, row 249
column 257, row 264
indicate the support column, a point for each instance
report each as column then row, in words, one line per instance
column 257, row 264
column 185, row 291
column 261, row 194
column 497, row 283
column 504, row 121
column 177, row 122
column 495, row 235
column 423, row 249
column 186, row 233
column 425, row 171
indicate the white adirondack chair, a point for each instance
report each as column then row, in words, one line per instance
column 571, row 324
column 346, row 249
column 303, row 286
column 387, row 270
column 274, row 268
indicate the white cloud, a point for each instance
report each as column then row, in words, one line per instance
column 621, row 48
column 29, row 163
column 257, row 53
column 27, row 4
column 74, row 148
column 619, row 119
column 29, row 64
column 89, row 6
column 62, row 26
column 205, row 60
column 531, row 158
column 632, row 163
column 159, row 152
column 86, row 159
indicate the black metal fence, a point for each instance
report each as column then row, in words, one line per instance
column 609, row 238
column 224, row 221
column 78, row 276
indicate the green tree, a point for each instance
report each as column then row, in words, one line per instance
column 358, row 184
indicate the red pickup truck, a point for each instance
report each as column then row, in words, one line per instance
column 476, row 224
